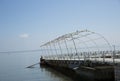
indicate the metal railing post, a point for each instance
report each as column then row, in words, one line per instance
column 60, row 47
column 56, row 52
column 66, row 48
column 76, row 53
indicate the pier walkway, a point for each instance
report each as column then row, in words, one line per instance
column 82, row 48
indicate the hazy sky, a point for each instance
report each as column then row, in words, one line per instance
column 26, row 24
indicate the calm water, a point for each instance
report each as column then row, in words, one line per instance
column 13, row 68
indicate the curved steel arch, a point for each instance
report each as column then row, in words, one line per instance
column 77, row 35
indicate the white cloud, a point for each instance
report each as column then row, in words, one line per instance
column 25, row 35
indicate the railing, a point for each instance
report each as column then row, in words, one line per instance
column 101, row 56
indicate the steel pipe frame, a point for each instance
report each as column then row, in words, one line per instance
column 66, row 48
column 66, row 36
column 51, row 51
column 60, row 49
column 92, row 40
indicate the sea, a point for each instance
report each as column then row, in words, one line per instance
column 13, row 67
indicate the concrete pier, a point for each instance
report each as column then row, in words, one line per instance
column 82, row 55
column 81, row 71
column 98, row 73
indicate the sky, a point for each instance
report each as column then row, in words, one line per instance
column 26, row 24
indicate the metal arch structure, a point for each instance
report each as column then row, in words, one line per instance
column 86, row 35
column 71, row 36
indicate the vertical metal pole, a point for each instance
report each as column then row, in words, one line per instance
column 74, row 46
column 60, row 48
column 48, row 52
column 114, row 54
column 56, row 52
column 71, row 52
column 51, row 51
column 66, row 47
column 84, row 57
column 95, row 56
column 103, row 57
column 88, row 55
column 45, row 53
column 42, row 52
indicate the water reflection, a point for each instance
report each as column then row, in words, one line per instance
column 57, row 76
